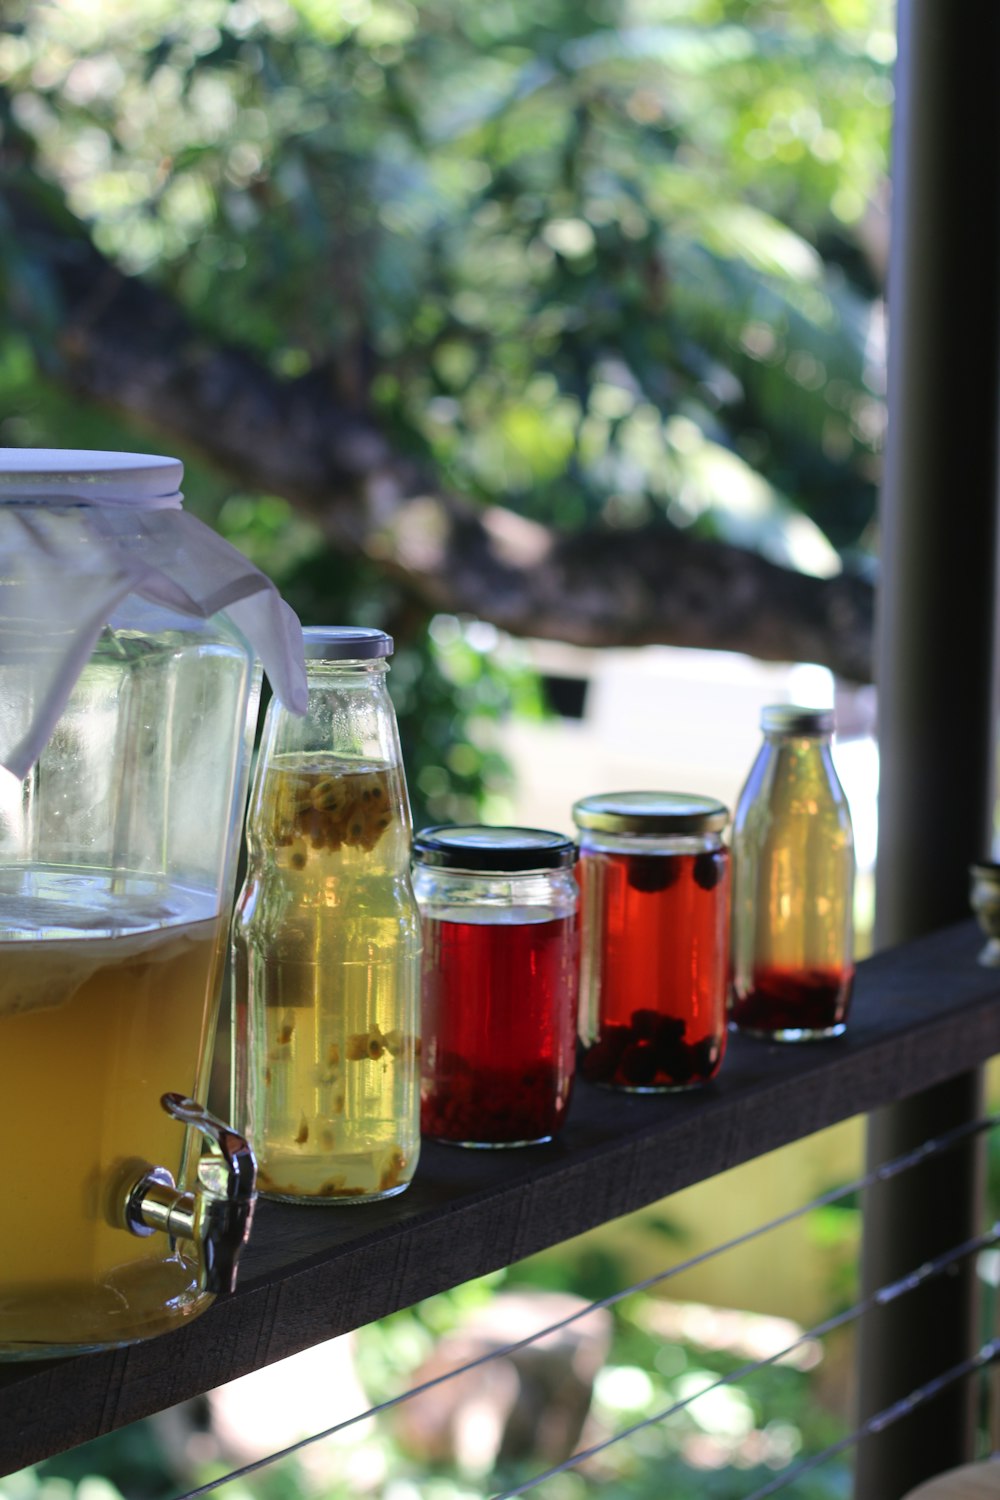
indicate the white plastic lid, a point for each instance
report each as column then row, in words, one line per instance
column 151, row 481
column 79, row 532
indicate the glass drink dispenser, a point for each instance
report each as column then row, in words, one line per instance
column 126, row 711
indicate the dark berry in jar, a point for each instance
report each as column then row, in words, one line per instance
column 708, row 868
column 669, row 1035
column 669, row 1029
column 652, row 872
column 644, row 1024
column 683, row 1063
column 638, row 1064
column 617, row 1038
column 601, row 1059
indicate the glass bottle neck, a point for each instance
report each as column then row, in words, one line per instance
column 782, row 737
column 320, row 671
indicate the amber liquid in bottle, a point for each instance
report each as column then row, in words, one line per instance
column 657, row 925
column 325, row 940
column 793, row 881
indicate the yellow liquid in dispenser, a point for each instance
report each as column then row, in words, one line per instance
column 327, row 947
column 97, row 1021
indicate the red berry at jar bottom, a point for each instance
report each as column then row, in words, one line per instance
column 643, row 1055
column 813, row 1000
column 658, row 960
column 493, row 1107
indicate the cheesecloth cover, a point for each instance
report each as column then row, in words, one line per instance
column 79, row 531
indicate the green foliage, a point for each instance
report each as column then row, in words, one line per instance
column 452, row 683
column 451, row 698
column 595, row 259
column 598, row 261
column 724, row 1445
column 574, row 253
column 134, row 1464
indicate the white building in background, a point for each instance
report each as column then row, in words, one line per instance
column 667, row 719
column 661, row 718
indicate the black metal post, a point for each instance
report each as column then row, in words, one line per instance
column 934, row 670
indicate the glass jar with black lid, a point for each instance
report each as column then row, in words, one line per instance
column 654, row 874
column 499, row 982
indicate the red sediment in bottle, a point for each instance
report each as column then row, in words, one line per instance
column 783, row 999
column 499, row 1026
column 661, row 952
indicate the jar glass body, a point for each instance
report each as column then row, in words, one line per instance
column 499, row 999
column 117, row 860
column 326, row 949
column 654, row 966
column 793, row 894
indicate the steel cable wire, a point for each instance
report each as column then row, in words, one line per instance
column 885, row 1418
column 885, row 1171
column 881, row 1297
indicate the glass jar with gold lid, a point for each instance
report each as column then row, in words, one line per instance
column 654, row 874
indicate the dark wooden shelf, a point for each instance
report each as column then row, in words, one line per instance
column 922, row 1013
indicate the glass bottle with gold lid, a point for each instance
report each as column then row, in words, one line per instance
column 793, row 884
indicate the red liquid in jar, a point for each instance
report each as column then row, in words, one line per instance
column 499, row 1028
column 659, row 947
column 782, row 1000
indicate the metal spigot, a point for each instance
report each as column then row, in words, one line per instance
column 218, row 1213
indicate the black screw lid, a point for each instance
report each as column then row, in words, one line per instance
column 474, row 846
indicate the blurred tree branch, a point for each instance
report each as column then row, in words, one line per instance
column 122, row 342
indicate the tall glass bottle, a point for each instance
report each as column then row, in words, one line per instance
column 326, row 940
column 793, row 884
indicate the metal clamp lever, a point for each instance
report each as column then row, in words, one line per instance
column 217, row 1215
